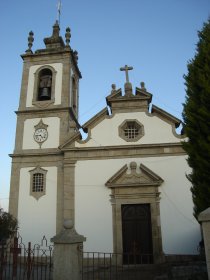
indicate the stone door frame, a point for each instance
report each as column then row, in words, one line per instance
column 136, row 188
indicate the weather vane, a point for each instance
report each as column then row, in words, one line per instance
column 59, row 11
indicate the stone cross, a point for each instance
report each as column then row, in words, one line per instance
column 126, row 69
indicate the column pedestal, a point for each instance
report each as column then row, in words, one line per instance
column 67, row 257
column 204, row 218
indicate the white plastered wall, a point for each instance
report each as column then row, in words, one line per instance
column 37, row 218
column 180, row 231
column 53, row 133
column 58, row 83
column 106, row 132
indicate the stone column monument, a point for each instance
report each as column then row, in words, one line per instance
column 204, row 218
column 67, row 258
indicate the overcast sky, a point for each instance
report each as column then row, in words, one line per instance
column 156, row 37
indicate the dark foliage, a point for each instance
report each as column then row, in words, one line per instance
column 8, row 225
column 196, row 115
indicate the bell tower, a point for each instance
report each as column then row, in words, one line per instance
column 50, row 87
column 47, row 116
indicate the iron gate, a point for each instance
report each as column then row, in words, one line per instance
column 25, row 262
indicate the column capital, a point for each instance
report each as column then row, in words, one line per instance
column 204, row 216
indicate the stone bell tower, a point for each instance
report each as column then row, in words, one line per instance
column 46, row 117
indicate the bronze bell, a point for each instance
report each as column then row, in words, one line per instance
column 44, row 93
column 45, row 87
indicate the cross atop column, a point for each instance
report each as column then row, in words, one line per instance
column 126, row 68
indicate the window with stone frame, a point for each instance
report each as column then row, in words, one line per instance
column 38, row 182
column 131, row 130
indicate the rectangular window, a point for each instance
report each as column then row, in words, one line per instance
column 38, row 182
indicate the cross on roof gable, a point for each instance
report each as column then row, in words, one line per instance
column 126, row 68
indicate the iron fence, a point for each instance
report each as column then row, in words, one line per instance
column 25, row 262
column 112, row 266
column 107, row 266
column 34, row 262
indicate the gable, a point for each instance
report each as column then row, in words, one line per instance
column 165, row 116
column 107, row 127
column 106, row 131
column 137, row 177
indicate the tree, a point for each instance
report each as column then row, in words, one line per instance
column 196, row 116
column 8, row 225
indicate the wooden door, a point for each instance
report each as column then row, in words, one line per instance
column 136, row 233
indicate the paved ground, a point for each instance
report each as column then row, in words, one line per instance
column 196, row 271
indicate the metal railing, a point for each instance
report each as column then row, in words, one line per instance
column 105, row 266
column 19, row 261
column 112, row 266
column 34, row 262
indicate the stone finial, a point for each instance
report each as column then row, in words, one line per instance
column 133, row 166
column 68, row 36
column 56, row 30
column 143, row 86
column 113, row 89
column 68, row 224
column 76, row 55
column 30, row 42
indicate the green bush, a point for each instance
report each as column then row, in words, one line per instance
column 8, row 225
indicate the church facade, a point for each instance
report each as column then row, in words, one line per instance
column 124, row 186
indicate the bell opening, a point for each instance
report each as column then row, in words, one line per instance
column 45, row 85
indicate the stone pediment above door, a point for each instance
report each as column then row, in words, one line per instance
column 136, row 177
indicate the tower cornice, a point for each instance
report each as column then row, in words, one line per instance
column 39, row 56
